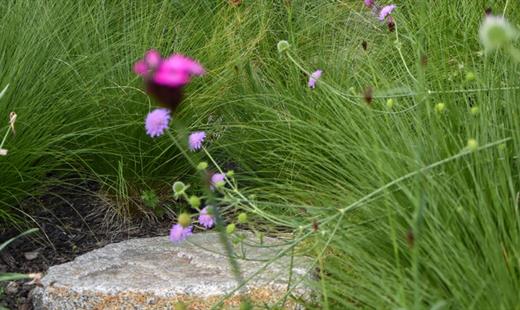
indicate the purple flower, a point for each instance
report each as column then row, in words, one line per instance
column 217, row 178
column 206, row 219
column 157, row 122
column 369, row 3
column 314, row 77
column 386, row 10
column 179, row 233
column 195, row 140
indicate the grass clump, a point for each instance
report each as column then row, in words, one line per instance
column 401, row 165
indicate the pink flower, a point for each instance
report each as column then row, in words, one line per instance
column 177, row 70
column 386, row 10
column 369, row 3
column 179, row 233
column 195, row 140
column 151, row 60
column 174, row 71
column 206, row 219
column 314, row 77
column 217, row 178
column 157, row 122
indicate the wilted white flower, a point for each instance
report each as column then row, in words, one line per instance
column 496, row 32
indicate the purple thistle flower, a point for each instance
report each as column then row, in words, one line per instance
column 314, row 77
column 206, row 219
column 217, row 178
column 369, row 3
column 386, row 10
column 157, row 122
column 195, row 140
column 179, row 233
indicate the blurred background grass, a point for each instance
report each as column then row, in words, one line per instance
column 304, row 154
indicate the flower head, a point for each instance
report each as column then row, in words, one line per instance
column 385, row 11
column 206, row 219
column 177, row 70
column 369, row 3
column 314, row 77
column 195, row 140
column 179, row 233
column 157, row 122
column 151, row 60
column 217, row 180
column 496, row 32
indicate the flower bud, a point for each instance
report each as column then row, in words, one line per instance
column 178, row 189
column 472, row 145
column 242, row 218
column 230, row 228
column 470, row 76
column 184, row 220
column 202, row 166
column 194, row 201
column 283, row 46
column 474, row 110
column 390, row 103
column 230, row 173
column 440, row 107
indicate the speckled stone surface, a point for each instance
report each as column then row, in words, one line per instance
column 153, row 273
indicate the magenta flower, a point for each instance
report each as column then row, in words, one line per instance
column 369, row 3
column 386, row 10
column 206, row 219
column 165, row 78
column 195, row 140
column 157, row 122
column 314, row 77
column 217, row 178
column 179, row 233
column 176, row 71
column 151, row 60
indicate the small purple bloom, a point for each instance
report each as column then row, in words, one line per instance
column 206, row 219
column 216, row 178
column 195, row 140
column 386, row 10
column 179, row 233
column 314, row 77
column 157, row 122
column 369, row 3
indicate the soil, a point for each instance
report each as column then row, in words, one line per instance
column 71, row 222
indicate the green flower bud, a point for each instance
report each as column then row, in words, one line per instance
column 440, row 107
column 230, row 228
column 474, row 110
column 230, row 173
column 178, row 189
column 390, row 103
column 472, row 145
column 194, row 201
column 470, row 76
column 283, row 46
column 184, row 219
column 202, row 166
column 242, row 218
